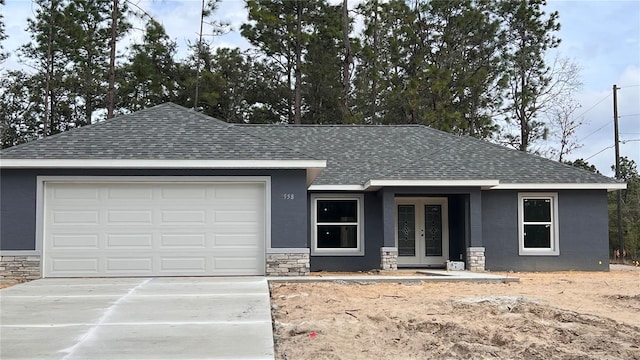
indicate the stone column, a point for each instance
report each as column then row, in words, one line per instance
column 288, row 262
column 475, row 259
column 388, row 258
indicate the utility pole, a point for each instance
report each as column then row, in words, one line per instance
column 198, row 58
column 617, row 147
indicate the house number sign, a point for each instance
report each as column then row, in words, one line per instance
column 288, row 196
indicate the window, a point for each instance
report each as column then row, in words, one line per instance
column 336, row 225
column 538, row 224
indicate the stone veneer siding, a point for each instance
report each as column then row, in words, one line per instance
column 287, row 262
column 388, row 258
column 20, row 268
column 475, row 259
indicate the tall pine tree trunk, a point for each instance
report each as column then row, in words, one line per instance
column 112, row 60
column 48, row 102
column 347, row 60
column 298, row 87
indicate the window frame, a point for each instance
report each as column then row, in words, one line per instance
column 554, row 249
column 359, row 223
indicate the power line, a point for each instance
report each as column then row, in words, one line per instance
column 630, row 140
column 607, row 148
column 628, row 86
column 591, row 108
column 621, row 116
column 598, row 129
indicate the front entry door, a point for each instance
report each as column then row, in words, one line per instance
column 422, row 231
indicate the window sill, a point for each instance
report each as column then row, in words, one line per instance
column 336, row 252
column 538, row 253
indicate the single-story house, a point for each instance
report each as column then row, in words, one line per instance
column 167, row 191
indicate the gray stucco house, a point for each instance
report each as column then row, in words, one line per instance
column 168, row 191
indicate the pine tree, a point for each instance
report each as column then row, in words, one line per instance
column 149, row 76
column 3, row 36
column 529, row 33
column 280, row 29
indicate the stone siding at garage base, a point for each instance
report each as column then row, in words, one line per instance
column 287, row 262
column 20, row 268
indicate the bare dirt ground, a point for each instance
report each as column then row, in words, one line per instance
column 561, row 315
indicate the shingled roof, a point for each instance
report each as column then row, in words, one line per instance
column 163, row 132
column 355, row 154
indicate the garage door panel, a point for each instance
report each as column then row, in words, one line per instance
column 72, row 217
column 183, row 241
column 133, row 265
column 238, row 191
column 237, row 240
column 116, row 241
column 242, row 263
column 198, row 192
column 183, row 216
column 71, row 192
column 129, row 193
column 186, row 264
column 75, row 265
column 153, row 228
column 75, row 241
column 117, row 217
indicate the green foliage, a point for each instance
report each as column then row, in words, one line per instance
column 528, row 33
column 630, row 210
column 149, row 76
column 3, row 36
column 583, row 164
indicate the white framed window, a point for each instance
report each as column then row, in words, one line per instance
column 538, row 224
column 337, row 225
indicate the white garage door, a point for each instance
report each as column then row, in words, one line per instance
column 153, row 229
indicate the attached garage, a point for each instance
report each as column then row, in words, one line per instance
column 151, row 227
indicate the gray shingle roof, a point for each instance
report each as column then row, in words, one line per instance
column 354, row 154
column 167, row 131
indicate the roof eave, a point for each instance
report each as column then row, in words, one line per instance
column 313, row 167
column 561, row 186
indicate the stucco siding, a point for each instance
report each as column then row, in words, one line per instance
column 18, row 201
column 582, row 228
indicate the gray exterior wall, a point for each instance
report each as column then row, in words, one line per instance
column 372, row 241
column 583, row 232
column 18, row 202
column 379, row 229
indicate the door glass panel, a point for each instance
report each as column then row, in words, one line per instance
column 406, row 230
column 433, row 230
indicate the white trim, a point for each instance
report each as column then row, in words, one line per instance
column 561, row 186
column 432, row 183
column 40, row 197
column 554, row 250
column 288, row 251
column 161, row 164
column 359, row 250
column 336, row 188
column 20, row 253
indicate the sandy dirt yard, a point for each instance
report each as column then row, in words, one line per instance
column 561, row 315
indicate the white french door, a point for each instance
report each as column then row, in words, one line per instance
column 422, row 231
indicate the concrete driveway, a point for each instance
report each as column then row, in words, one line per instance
column 137, row 318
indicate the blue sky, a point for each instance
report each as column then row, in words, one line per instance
column 602, row 37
